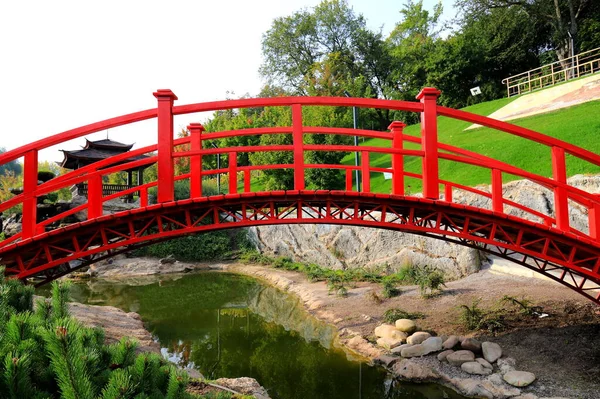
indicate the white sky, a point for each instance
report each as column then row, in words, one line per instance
column 64, row 64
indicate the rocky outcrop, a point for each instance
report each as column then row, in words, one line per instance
column 123, row 267
column 340, row 247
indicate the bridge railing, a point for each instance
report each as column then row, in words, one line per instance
column 429, row 150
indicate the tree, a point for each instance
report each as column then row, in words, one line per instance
column 561, row 16
column 13, row 166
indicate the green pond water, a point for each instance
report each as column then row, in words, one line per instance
column 227, row 325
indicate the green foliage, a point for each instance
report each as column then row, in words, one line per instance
column 474, row 318
column 48, row 354
column 200, row 247
column 430, row 280
column 391, row 315
column 390, row 288
column 524, row 305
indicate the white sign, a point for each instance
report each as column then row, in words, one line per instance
column 475, row 91
column 387, row 176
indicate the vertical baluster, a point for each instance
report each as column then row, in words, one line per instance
column 30, row 180
column 397, row 129
column 143, row 197
column 594, row 221
column 348, row 179
column 166, row 181
column 497, row 200
column 247, row 181
column 232, row 172
column 297, row 136
column 95, row 196
column 429, row 141
column 561, row 204
column 366, row 173
column 196, row 130
column 448, row 192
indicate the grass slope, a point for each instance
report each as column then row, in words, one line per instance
column 579, row 125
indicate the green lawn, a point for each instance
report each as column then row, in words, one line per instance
column 579, row 125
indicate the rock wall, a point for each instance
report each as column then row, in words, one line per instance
column 340, row 247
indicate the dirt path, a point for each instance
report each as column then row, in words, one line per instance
column 562, row 349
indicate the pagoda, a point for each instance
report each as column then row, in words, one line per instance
column 99, row 150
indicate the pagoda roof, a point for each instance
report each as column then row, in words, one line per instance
column 95, row 151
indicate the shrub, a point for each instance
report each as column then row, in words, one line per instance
column 475, row 318
column 47, row 353
column 391, row 315
column 429, row 279
column 390, row 286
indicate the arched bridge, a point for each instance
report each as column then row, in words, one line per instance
column 543, row 242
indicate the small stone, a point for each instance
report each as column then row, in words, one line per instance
column 389, row 343
column 433, row 344
column 397, row 350
column 442, row 355
column 519, row 378
column 491, row 351
column 406, row 325
column 451, row 342
column 471, row 344
column 484, row 363
column 413, row 351
column 459, row 357
column 475, row 368
column 418, row 337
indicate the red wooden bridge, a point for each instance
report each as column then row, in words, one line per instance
column 545, row 243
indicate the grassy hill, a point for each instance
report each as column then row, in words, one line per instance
column 579, row 125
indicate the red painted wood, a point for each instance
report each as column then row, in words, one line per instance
column 561, row 204
column 166, row 186
column 497, row 200
column 365, row 172
column 232, row 172
column 45, row 257
column 30, row 180
column 196, row 130
column 397, row 129
column 298, row 139
column 428, row 97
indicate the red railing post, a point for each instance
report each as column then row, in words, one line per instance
column 497, row 201
column 429, row 141
column 348, row 179
column 594, row 221
column 366, row 173
column 166, row 181
column 247, row 181
column 196, row 130
column 30, row 180
column 448, row 192
column 561, row 203
column 397, row 129
column 232, row 172
column 298, row 142
column 95, row 196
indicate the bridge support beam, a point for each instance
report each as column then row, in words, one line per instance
column 166, row 185
column 429, row 141
column 196, row 130
column 298, row 139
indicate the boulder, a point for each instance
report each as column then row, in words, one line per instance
column 385, row 360
column 484, row 363
column 475, row 368
column 389, row 331
column 432, row 344
column 406, row 325
column 442, row 355
column 397, row 350
column 519, row 378
column 418, row 337
column 491, row 351
column 409, row 370
column 451, row 342
column 389, row 343
column 471, row 344
column 459, row 357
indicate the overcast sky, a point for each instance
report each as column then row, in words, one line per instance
column 64, row 64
